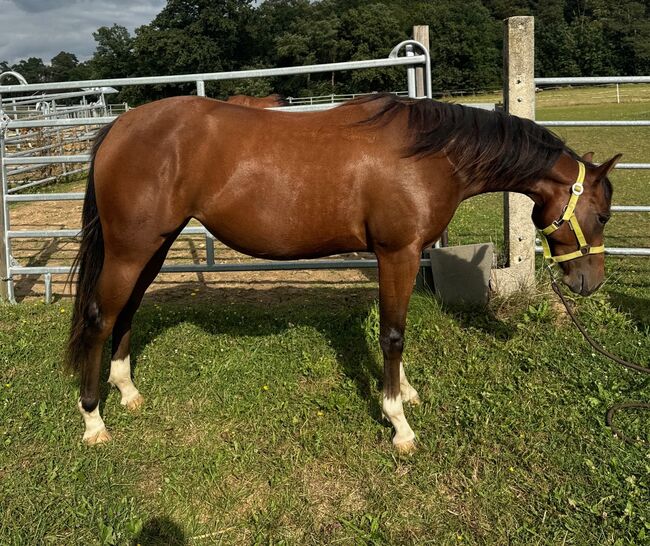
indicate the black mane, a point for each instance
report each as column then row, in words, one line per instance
column 484, row 146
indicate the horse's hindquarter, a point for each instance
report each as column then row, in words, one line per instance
column 270, row 184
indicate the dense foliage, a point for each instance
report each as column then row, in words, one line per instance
column 573, row 38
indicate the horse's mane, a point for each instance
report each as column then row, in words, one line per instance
column 483, row 145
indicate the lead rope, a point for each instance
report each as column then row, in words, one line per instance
column 609, row 418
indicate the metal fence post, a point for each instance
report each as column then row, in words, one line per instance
column 6, row 292
column 519, row 99
column 410, row 74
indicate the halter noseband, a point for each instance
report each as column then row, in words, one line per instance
column 569, row 215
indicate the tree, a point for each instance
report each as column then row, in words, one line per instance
column 371, row 31
column 464, row 44
column 555, row 41
column 113, row 56
column 592, row 55
column 572, row 38
column 33, row 70
column 627, row 31
column 190, row 36
column 63, row 67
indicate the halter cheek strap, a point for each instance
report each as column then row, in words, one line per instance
column 569, row 216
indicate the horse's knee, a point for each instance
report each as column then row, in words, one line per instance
column 89, row 402
column 392, row 343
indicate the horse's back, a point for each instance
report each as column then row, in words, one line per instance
column 274, row 184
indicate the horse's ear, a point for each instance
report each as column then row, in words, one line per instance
column 588, row 157
column 603, row 170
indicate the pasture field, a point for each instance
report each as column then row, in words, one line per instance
column 262, row 423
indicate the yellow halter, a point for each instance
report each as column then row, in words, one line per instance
column 569, row 215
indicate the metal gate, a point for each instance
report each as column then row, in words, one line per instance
column 14, row 162
column 631, row 251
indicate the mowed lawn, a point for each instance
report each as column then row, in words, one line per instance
column 262, row 421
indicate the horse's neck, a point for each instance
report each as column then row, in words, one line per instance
column 564, row 171
column 479, row 187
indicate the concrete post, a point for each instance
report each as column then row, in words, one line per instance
column 420, row 34
column 519, row 100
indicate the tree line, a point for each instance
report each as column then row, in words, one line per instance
column 572, row 38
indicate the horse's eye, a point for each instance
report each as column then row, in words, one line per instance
column 603, row 218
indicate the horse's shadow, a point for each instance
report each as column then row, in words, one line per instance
column 340, row 315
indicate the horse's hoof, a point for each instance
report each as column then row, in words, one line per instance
column 134, row 404
column 100, row 438
column 414, row 400
column 405, row 448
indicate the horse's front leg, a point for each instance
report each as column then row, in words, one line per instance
column 397, row 271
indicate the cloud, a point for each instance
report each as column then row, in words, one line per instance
column 43, row 28
column 35, row 6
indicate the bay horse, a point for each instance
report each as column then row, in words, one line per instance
column 380, row 173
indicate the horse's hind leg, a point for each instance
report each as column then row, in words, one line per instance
column 397, row 271
column 116, row 282
column 120, row 375
column 122, row 267
column 409, row 394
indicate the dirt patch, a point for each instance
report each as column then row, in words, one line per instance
column 330, row 492
column 151, row 482
column 167, row 286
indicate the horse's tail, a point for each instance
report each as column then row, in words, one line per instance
column 89, row 260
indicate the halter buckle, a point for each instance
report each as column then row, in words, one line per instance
column 584, row 250
column 578, row 188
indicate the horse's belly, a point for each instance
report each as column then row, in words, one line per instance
column 279, row 236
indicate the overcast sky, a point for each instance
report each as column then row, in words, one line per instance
column 42, row 28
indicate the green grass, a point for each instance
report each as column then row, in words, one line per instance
column 262, row 422
column 262, row 425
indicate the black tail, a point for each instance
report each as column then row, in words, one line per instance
column 90, row 259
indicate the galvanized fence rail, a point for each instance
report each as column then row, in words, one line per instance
column 31, row 144
column 9, row 267
column 620, row 251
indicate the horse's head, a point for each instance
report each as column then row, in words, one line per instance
column 572, row 207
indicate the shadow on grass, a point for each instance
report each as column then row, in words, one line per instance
column 160, row 531
column 637, row 308
column 337, row 313
column 24, row 284
column 483, row 319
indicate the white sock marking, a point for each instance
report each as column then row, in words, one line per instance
column 120, row 377
column 393, row 409
column 407, row 391
column 92, row 420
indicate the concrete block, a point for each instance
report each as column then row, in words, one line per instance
column 461, row 274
